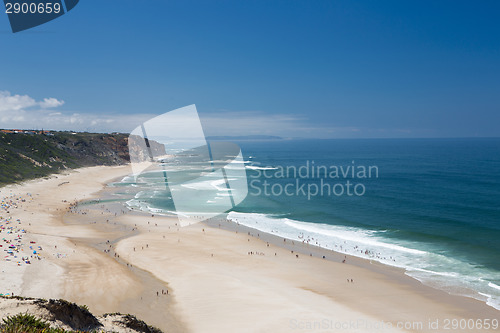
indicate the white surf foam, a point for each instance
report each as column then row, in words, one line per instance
column 419, row 260
column 253, row 167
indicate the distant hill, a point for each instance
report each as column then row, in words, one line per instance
column 38, row 154
column 244, row 138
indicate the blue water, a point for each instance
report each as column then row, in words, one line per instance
column 433, row 207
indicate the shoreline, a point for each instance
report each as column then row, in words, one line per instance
column 375, row 295
column 338, row 257
column 390, row 272
column 207, row 268
column 454, row 306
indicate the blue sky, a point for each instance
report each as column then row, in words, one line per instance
column 289, row 68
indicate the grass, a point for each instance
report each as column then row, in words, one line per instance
column 27, row 323
column 61, row 309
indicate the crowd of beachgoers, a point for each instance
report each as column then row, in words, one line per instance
column 15, row 249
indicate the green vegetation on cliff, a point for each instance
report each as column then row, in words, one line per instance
column 27, row 155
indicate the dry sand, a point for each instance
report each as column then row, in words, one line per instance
column 221, row 288
column 213, row 283
column 70, row 268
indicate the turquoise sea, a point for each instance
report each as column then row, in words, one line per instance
column 431, row 206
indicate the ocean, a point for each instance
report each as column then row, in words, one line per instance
column 430, row 206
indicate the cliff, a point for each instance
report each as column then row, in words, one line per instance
column 27, row 155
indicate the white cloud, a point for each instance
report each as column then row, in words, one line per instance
column 10, row 102
column 248, row 123
column 23, row 111
column 236, row 123
column 48, row 103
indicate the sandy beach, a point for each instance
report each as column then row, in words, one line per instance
column 216, row 277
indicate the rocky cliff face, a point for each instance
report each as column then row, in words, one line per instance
column 24, row 156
